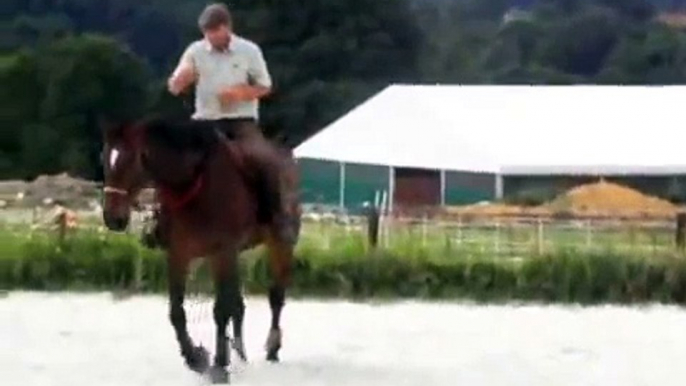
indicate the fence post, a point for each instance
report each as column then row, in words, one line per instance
column 681, row 231
column 540, row 236
column 425, row 230
column 373, row 226
column 497, row 237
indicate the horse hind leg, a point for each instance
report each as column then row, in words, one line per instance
column 237, row 315
column 221, row 313
column 281, row 258
column 196, row 357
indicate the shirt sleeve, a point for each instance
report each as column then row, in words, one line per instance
column 257, row 71
column 187, row 60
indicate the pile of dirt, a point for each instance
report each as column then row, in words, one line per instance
column 607, row 198
column 61, row 189
column 596, row 199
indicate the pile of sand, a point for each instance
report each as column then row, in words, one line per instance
column 597, row 199
column 610, row 198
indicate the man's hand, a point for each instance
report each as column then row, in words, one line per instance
column 242, row 92
column 181, row 80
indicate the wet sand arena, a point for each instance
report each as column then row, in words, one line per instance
column 74, row 339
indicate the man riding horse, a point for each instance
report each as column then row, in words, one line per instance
column 230, row 76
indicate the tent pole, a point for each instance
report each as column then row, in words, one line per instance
column 391, row 187
column 442, row 187
column 341, row 185
column 499, row 187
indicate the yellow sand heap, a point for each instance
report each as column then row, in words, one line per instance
column 602, row 198
column 607, row 197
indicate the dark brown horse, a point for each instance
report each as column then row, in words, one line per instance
column 209, row 210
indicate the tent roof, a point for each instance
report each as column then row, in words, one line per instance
column 513, row 130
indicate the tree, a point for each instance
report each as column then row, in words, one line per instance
column 55, row 95
column 658, row 57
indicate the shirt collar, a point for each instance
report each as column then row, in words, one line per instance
column 230, row 48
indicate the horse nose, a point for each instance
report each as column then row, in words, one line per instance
column 115, row 223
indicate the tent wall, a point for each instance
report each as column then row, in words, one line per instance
column 362, row 182
column 462, row 188
column 320, row 182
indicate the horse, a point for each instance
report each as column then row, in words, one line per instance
column 209, row 211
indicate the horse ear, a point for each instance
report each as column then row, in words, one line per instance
column 108, row 127
column 112, row 130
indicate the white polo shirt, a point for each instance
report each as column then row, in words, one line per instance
column 242, row 63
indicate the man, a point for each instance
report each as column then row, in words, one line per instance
column 230, row 76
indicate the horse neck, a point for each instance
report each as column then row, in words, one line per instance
column 172, row 170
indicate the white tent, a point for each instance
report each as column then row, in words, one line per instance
column 513, row 130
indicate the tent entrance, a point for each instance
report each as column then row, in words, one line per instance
column 416, row 188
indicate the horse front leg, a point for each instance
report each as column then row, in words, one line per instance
column 196, row 358
column 237, row 315
column 228, row 305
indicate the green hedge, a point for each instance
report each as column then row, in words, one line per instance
column 91, row 261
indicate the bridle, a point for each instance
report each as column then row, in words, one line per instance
column 113, row 190
column 174, row 200
column 135, row 140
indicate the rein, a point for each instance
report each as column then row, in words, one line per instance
column 178, row 201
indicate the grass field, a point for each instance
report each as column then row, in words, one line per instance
column 546, row 262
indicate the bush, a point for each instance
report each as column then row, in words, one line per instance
column 91, row 261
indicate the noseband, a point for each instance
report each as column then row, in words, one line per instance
column 113, row 190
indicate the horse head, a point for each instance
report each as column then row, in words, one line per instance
column 168, row 153
column 124, row 172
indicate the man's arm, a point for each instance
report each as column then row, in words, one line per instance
column 184, row 75
column 260, row 81
column 258, row 73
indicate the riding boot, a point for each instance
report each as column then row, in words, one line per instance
column 265, row 160
column 270, row 195
column 150, row 235
column 154, row 236
column 273, row 201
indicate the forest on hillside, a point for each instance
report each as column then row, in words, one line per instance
column 66, row 63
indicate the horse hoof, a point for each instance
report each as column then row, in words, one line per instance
column 273, row 345
column 199, row 360
column 273, row 356
column 239, row 348
column 218, row 375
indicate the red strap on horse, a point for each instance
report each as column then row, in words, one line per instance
column 176, row 202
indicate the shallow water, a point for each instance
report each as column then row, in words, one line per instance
column 74, row 339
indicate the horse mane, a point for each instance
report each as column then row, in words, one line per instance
column 182, row 135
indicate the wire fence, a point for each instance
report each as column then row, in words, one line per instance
column 507, row 237
column 511, row 236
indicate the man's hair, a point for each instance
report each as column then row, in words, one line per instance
column 213, row 16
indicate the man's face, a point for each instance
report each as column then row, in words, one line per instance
column 219, row 36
